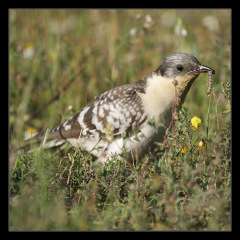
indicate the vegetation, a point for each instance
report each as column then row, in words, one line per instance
column 60, row 60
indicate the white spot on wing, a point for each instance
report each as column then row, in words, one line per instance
column 67, row 127
column 98, row 124
column 80, row 120
column 101, row 112
column 106, row 107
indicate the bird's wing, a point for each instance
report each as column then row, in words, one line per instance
column 117, row 111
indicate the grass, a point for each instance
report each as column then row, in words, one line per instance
column 180, row 186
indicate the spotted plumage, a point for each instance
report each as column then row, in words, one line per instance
column 128, row 111
column 120, row 107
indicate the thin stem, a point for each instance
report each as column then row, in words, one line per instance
column 208, row 117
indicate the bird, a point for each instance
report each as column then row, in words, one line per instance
column 131, row 117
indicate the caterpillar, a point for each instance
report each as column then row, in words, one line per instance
column 209, row 83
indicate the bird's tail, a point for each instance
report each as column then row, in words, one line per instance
column 35, row 142
column 41, row 140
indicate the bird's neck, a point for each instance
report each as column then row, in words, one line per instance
column 161, row 92
column 184, row 88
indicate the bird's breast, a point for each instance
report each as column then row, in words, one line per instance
column 158, row 97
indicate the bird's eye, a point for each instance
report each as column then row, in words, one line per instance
column 179, row 67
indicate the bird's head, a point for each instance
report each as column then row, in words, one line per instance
column 182, row 67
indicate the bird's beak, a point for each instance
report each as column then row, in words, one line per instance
column 204, row 69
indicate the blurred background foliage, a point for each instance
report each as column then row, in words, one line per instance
column 47, row 48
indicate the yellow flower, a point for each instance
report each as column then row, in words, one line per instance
column 28, row 51
column 196, row 121
column 202, row 144
column 31, row 130
column 228, row 107
column 184, row 149
column 109, row 132
column 109, row 128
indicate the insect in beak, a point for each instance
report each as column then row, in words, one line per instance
column 209, row 83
